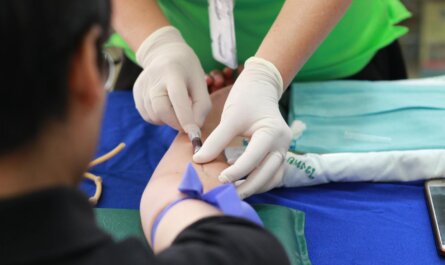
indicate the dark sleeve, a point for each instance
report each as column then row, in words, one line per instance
column 224, row 240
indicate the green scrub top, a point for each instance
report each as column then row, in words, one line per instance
column 367, row 26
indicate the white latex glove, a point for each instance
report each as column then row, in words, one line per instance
column 251, row 110
column 171, row 89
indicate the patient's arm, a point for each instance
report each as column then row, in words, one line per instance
column 162, row 188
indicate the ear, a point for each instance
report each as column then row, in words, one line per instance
column 85, row 81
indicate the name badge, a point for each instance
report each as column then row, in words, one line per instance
column 222, row 31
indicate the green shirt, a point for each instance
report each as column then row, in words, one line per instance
column 367, row 26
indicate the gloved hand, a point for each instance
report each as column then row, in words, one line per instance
column 171, row 89
column 251, row 110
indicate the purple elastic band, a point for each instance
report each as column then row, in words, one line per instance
column 161, row 214
column 223, row 197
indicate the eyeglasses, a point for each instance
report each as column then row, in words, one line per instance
column 109, row 70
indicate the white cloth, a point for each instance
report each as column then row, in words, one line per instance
column 313, row 169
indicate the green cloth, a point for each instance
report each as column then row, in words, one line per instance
column 288, row 226
column 367, row 26
column 285, row 223
column 120, row 223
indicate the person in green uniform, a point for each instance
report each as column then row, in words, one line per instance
column 277, row 41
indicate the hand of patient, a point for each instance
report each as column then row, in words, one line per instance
column 218, row 79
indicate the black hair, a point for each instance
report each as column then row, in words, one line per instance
column 38, row 39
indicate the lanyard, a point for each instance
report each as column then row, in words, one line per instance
column 222, row 31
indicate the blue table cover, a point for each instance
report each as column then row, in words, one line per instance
column 346, row 223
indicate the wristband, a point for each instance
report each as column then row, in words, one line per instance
column 224, row 197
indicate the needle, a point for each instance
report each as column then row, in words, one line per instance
column 195, row 138
column 197, row 144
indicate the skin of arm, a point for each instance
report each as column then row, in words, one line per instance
column 135, row 20
column 162, row 188
column 299, row 29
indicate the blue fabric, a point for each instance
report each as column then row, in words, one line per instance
column 126, row 175
column 360, row 116
column 363, row 223
column 348, row 223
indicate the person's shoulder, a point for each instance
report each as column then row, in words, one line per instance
column 129, row 251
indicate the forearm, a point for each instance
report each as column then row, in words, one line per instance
column 163, row 189
column 185, row 234
column 299, row 29
column 134, row 20
column 163, row 186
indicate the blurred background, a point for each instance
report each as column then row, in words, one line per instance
column 424, row 46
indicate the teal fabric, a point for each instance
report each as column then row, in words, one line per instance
column 288, row 226
column 120, row 223
column 362, row 116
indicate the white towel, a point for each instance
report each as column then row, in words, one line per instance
column 313, row 169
